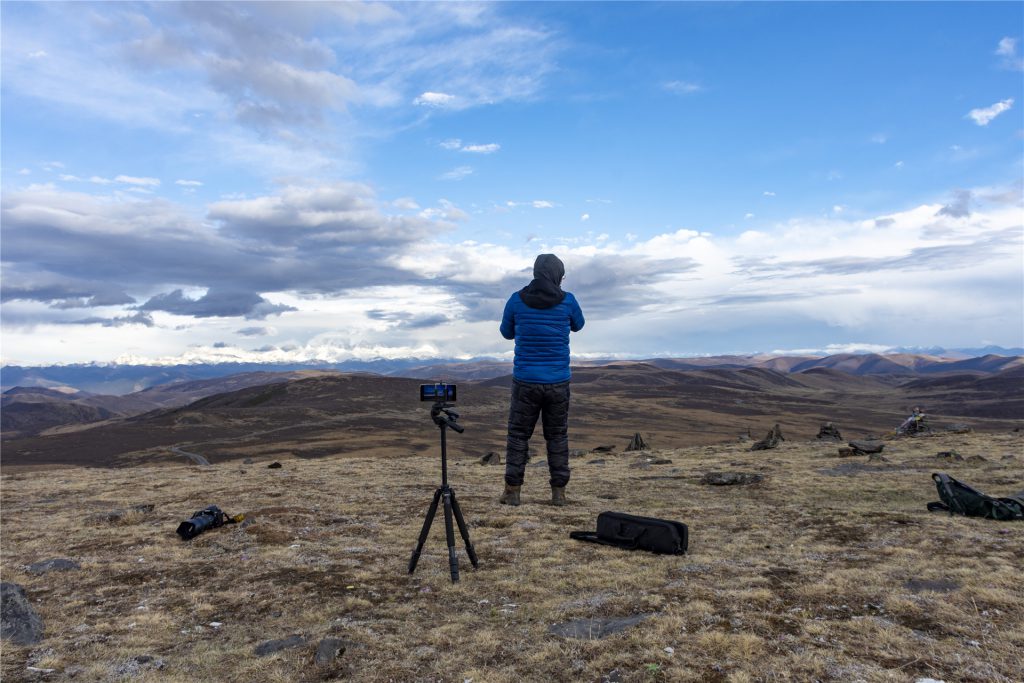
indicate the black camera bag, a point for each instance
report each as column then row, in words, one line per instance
column 960, row 499
column 632, row 532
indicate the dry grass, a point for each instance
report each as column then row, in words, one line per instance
column 802, row 577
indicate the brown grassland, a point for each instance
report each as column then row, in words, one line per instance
column 830, row 569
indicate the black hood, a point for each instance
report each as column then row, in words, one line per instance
column 545, row 291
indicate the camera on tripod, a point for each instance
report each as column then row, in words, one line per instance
column 445, row 418
column 440, row 392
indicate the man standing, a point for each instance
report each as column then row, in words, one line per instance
column 539, row 317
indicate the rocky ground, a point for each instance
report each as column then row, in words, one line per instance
column 829, row 568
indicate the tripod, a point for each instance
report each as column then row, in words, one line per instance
column 444, row 418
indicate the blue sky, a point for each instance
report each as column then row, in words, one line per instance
column 205, row 181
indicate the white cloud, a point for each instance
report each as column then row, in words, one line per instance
column 69, row 178
column 489, row 148
column 766, row 193
column 536, row 204
column 984, row 116
column 879, row 138
column 405, row 204
column 1007, row 49
column 37, row 54
column 98, row 180
column 453, row 143
column 24, row 171
column 899, row 164
column 681, row 87
column 445, row 210
column 133, row 180
column 838, row 208
column 188, row 183
column 435, row 99
column 585, row 217
column 748, row 216
column 457, row 173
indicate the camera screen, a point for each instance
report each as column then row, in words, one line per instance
column 437, row 392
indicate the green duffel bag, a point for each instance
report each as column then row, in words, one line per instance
column 960, row 499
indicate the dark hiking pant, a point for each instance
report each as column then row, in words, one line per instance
column 550, row 402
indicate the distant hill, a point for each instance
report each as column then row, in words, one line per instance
column 49, row 400
column 28, row 411
column 313, row 415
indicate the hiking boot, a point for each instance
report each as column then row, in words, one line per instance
column 558, row 496
column 511, row 495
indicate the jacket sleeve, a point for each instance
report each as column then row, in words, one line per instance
column 508, row 321
column 576, row 321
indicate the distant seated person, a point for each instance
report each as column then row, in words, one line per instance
column 912, row 423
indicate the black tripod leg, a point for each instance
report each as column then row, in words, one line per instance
column 464, row 531
column 424, row 532
column 449, row 530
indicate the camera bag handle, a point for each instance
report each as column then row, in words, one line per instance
column 617, row 541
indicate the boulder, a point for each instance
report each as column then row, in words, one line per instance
column 864, row 447
column 329, row 650
column 829, row 432
column 274, row 466
column 595, row 628
column 730, row 478
column 637, row 443
column 272, row 646
column 770, row 441
column 19, row 622
column 958, row 428
column 56, row 564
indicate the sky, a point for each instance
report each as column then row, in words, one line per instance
column 207, row 182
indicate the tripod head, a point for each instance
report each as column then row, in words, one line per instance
column 444, row 416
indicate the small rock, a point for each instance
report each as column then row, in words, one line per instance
column 274, row 466
column 730, row 478
column 976, row 458
column 56, row 564
column 248, row 461
column 935, row 585
column 846, row 452
column 271, row 646
column 599, row 461
column 328, row 650
column 877, row 457
column 603, row 449
column 613, row 676
column 949, row 455
column 133, row 666
column 959, row 428
column 19, row 622
column 578, row 452
column 491, row 458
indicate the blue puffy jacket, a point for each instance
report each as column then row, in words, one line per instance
column 542, row 338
